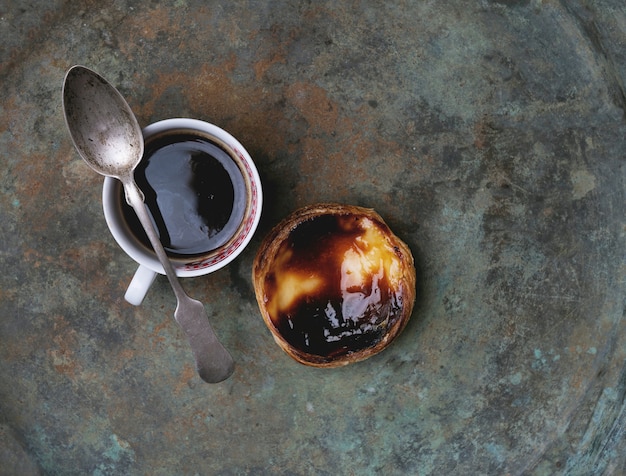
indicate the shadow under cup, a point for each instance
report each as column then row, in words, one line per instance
column 203, row 195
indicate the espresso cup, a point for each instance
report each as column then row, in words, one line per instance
column 204, row 196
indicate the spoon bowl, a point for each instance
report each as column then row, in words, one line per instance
column 102, row 126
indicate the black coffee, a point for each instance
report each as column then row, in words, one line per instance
column 195, row 193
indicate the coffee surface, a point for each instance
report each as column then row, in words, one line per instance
column 194, row 191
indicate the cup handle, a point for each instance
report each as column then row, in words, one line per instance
column 139, row 285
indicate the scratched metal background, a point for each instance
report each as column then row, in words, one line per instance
column 489, row 134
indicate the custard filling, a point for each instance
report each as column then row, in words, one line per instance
column 335, row 285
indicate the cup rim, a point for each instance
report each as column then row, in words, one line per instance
column 195, row 266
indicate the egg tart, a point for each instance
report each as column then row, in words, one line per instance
column 334, row 284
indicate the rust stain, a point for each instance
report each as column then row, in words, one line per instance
column 313, row 157
column 277, row 55
column 127, row 354
column 86, row 258
column 188, row 372
column 262, row 66
column 578, row 380
column 208, row 90
column 483, row 129
column 480, row 137
column 123, row 357
column 313, row 104
column 62, row 356
column 23, row 348
column 155, row 334
column 11, row 110
column 146, row 25
column 36, row 258
column 8, row 294
column 31, row 175
column 88, row 263
column 36, row 187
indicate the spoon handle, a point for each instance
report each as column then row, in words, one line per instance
column 213, row 361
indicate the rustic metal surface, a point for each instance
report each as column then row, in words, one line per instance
column 490, row 135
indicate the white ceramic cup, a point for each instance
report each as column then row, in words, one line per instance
column 197, row 265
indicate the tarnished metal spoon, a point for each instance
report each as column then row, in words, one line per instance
column 107, row 136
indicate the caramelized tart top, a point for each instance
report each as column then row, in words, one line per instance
column 334, row 284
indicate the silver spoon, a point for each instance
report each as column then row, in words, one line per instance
column 107, row 136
